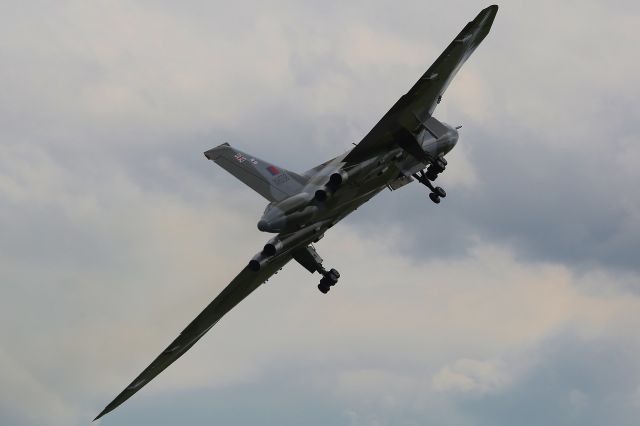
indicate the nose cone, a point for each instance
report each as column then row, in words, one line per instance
column 273, row 220
column 272, row 226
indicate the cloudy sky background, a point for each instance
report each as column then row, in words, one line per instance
column 515, row 301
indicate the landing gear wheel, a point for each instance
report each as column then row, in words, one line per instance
column 332, row 276
column 329, row 279
column 440, row 192
column 431, row 174
column 434, row 197
column 324, row 287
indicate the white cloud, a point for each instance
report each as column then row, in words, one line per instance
column 468, row 375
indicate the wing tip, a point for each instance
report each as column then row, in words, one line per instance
column 493, row 9
column 214, row 153
column 484, row 21
column 109, row 408
column 100, row 415
column 489, row 13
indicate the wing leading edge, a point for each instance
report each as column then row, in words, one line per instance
column 416, row 106
column 241, row 286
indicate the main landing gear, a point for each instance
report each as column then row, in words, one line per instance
column 430, row 175
column 329, row 279
column 312, row 262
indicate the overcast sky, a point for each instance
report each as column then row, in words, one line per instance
column 514, row 301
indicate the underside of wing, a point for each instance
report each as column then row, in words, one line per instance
column 414, row 108
column 241, row 286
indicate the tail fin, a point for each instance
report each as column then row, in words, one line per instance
column 272, row 182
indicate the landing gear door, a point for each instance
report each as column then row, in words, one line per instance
column 400, row 182
column 308, row 258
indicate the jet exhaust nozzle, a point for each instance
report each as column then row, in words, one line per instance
column 336, row 179
column 256, row 262
column 321, row 195
column 272, row 247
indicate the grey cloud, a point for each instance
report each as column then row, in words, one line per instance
column 553, row 207
column 577, row 382
column 568, row 386
column 113, row 221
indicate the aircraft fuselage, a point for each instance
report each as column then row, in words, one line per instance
column 338, row 188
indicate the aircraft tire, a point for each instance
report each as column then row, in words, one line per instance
column 333, row 276
column 440, row 164
column 434, row 197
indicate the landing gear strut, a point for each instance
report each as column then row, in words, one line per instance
column 312, row 262
column 425, row 178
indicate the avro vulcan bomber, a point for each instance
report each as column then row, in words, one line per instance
column 407, row 144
